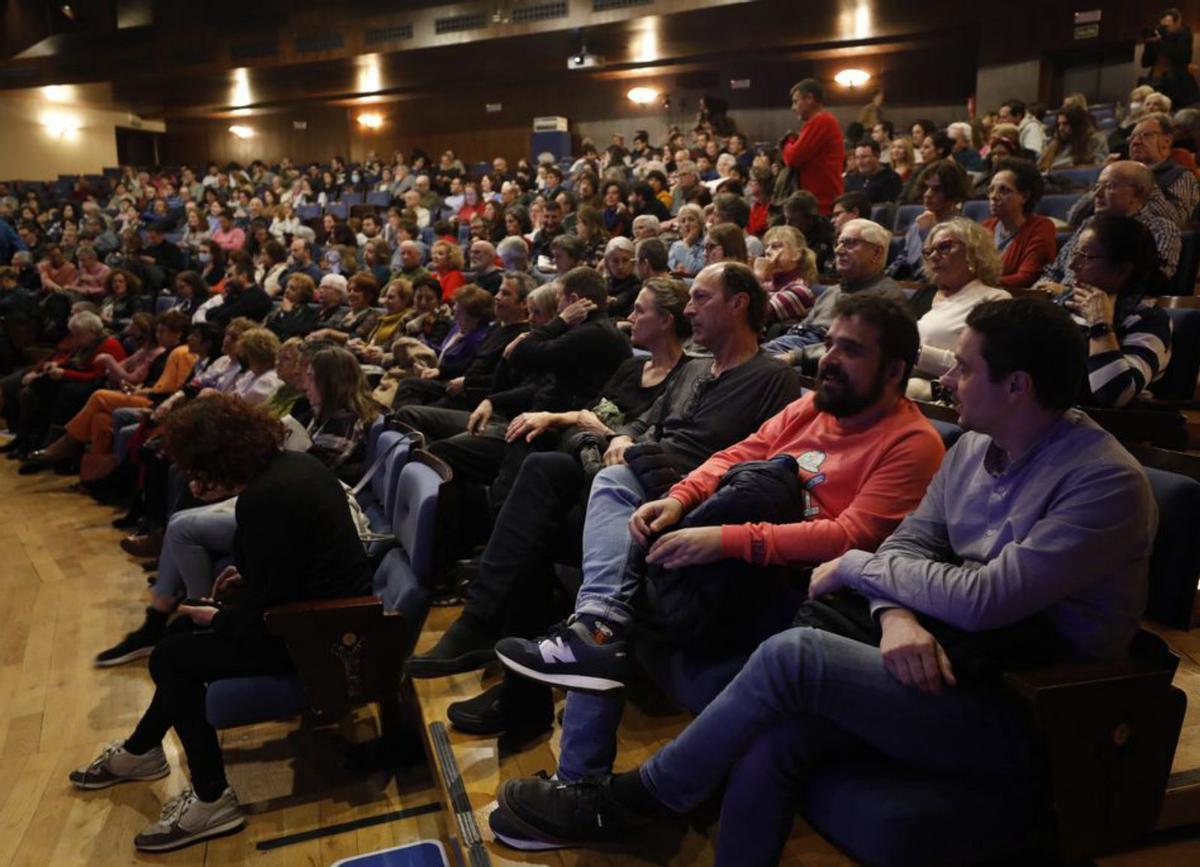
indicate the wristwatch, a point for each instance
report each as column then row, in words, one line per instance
column 1100, row 329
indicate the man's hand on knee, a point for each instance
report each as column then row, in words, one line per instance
column 654, row 517
column 616, row 451
column 912, row 655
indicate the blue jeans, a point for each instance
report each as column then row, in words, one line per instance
column 193, row 540
column 590, row 721
column 124, row 423
column 796, row 337
column 806, row 696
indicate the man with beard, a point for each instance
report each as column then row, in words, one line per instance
column 864, row 455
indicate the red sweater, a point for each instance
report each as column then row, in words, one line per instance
column 1033, row 248
column 859, row 484
column 450, row 281
column 817, row 155
column 110, row 345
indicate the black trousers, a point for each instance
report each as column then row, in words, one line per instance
column 47, row 402
column 185, row 661
column 539, row 524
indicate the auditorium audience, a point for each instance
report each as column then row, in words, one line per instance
column 878, row 181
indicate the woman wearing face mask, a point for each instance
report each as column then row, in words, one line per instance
column 212, row 264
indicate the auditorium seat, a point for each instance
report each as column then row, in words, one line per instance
column 884, row 213
column 1178, row 381
column 377, row 632
column 1184, row 281
column 309, row 212
column 379, row 199
column 340, row 210
column 977, row 210
column 905, row 215
column 1056, row 206
column 1175, row 562
column 1074, row 179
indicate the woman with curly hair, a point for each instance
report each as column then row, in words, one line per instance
column 294, row 541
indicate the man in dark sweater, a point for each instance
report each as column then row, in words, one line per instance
column 879, row 182
column 709, row 405
column 243, row 297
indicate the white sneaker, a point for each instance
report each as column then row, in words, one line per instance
column 186, row 819
column 115, row 764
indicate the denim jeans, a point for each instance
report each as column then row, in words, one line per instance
column 796, row 337
column 590, row 721
column 193, row 540
column 124, row 423
column 806, row 696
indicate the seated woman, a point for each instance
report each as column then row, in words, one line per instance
column 904, row 157
column 432, row 319
column 1027, row 241
column 474, row 310
column 191, row 292
column 1129, row 337
column 1074, row 142
column 965, row 266
column 686, row 256
column 786, row 271
column 725, row 242
column 589, row 226
column 620, row 275
column 398, row 307
column 377, row 254
column 294, row 317
column 446, row 260
column 295, row 542
column 271, row 269
column 258, row 350
column 123, row 298
column 359, row 321
column 138, row 340
column 94, row 423
column 339, row 411
column 211, row 257
column 944, row 187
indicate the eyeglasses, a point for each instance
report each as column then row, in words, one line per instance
column 1080, row 256
column 945, row 248
column 851, row 243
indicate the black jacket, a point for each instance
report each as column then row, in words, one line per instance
column 253, row 302
column 582, row 358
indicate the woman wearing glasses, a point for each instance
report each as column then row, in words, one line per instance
column 961, row 258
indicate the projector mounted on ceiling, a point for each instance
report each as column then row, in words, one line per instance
column 584, row 59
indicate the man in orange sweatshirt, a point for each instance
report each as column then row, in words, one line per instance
column 865, row 455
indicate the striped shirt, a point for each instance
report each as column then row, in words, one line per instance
column 1117, row 377
column 1166, row 238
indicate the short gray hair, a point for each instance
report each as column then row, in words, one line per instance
column 510, row 248
column 647, row 220
column 1163, row 121
column 86, row 321
column 870, row 231
column 525, row 283
column 620, row 242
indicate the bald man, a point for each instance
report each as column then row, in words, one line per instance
column 1123, row 189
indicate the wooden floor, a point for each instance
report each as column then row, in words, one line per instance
column 67, row 591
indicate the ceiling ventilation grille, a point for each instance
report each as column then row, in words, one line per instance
column 608, row 5
column 380, row 35
column 459, row 23
column 539, row 12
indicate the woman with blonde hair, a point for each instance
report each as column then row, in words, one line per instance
column 686, row 256
column 904, row 157
column 962, row 260
column 447, row 262
column 786, row 270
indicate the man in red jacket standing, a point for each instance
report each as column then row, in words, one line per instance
column 815, row 153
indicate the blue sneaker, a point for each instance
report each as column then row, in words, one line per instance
column 572, row 656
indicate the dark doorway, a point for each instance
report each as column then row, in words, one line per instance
column 137, row 147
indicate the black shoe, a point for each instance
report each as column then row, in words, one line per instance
column 466, row 571
column 512, row 706
column 461, row 648
column 35, row 463
column 570, row 814
column 141, row 642
column 570, row 656
column 129, row 521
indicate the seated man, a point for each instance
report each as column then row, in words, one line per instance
column 1038, row 522
column 708, row 405
column 860, row 256
column 879, row 182
column 1123, row 189
column 865, row 455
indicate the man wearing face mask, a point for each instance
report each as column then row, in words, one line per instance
column 243, row 297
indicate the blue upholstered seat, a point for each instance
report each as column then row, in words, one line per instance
column 905, row 214
column 1178, row 381
column 977, row 210
column 1056, row 206
column 1176, row 559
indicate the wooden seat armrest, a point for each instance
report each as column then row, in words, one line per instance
column 281, row 619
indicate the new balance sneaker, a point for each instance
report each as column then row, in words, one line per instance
column 186, row 820
column 115, row 764
column 461, row 648
column 571, row 656
column 555, row 814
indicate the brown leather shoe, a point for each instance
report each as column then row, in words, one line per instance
column 146, row 545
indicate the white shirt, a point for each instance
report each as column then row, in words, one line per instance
column 940, row 327
column 255, row 388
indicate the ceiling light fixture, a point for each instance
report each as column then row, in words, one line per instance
column 642, row 95
column 242, row 131
column 370, row 120
column 852, row 77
